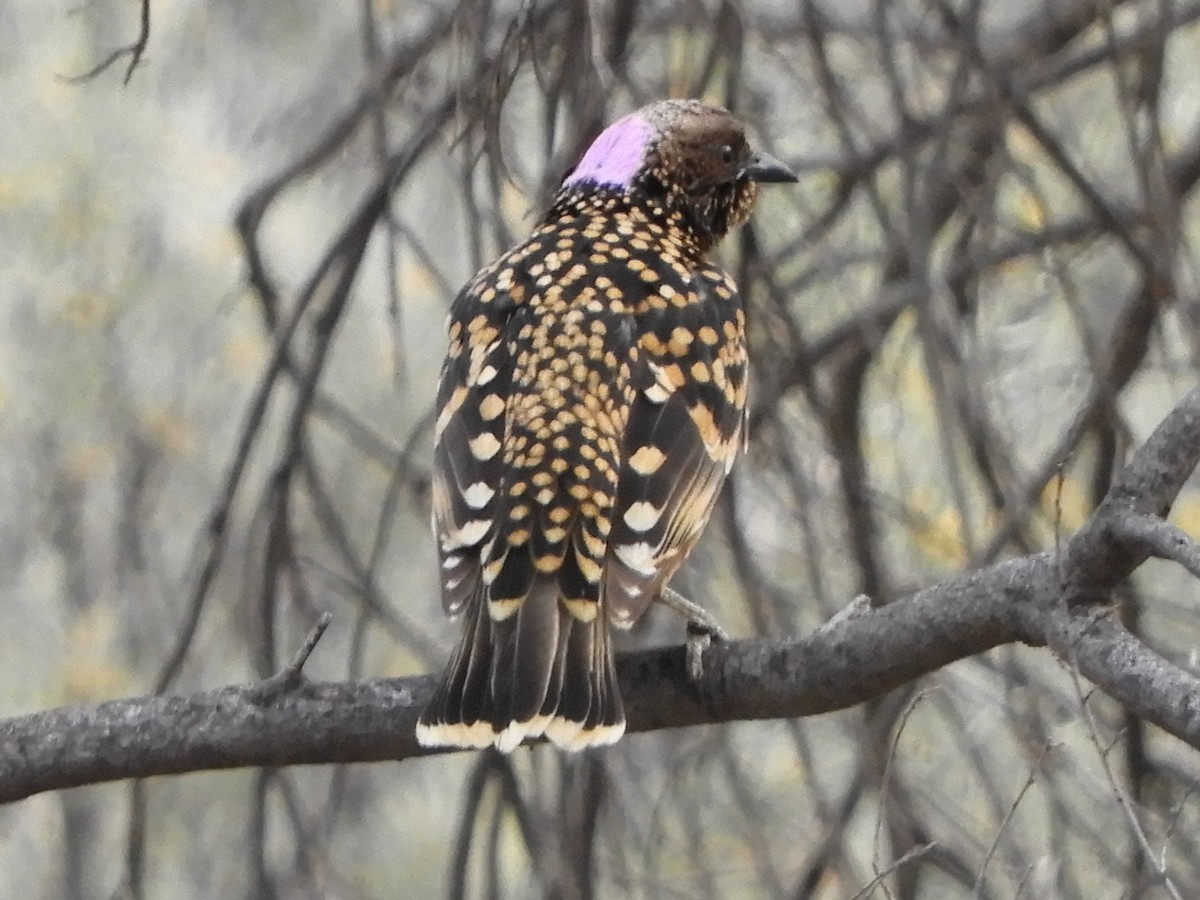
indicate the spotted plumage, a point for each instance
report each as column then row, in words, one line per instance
column 590, row 406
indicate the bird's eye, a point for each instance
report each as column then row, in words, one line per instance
column 726, row 154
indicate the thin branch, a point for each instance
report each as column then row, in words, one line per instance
column 885, row 783
column 1012, row 810
column 1123, row 798
column 291, row 675
column 911, row 856
column 134, row 51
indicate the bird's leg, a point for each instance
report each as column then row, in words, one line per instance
column 702, row 628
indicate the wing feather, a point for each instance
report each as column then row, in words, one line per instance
column 468, row 458
column 683, row 434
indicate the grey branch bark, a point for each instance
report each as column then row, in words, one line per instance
column 1041, row 600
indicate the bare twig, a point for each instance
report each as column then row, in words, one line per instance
column 1157, row 860
column 1012, row 810
column 885, row 785
column 911, row 856
column 291, row 674
column 134, row 51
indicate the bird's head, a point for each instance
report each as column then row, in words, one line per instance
column 685, row 155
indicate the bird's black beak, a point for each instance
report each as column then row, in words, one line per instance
column 766, row 168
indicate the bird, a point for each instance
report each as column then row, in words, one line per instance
column 591, row 404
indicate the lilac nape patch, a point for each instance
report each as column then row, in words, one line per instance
column 616, row 155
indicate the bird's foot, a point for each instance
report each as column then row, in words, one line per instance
column 702, row 629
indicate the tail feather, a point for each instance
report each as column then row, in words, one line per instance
column 459, row 712
column 606, row 718
column 574, row 700
column 558, row 672
column 539, row 622
column 540, row 671
column 467, row 689
column 526, row 643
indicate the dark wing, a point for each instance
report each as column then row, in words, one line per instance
column 684, row 431
column 473, row 393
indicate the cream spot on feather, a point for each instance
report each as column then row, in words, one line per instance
column 478, row 495
column 491, row 406
column 639, row 557
column 642, row 516
column 647, row 459
column 484, row 446
column 466, row 536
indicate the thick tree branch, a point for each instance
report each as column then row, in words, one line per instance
column 264, row 725
column 1035, row 599
column 1111, row 543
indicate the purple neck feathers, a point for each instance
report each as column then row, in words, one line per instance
column 616, row 155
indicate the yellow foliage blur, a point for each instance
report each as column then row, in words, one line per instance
column 87, row 311
column 75, row 225
column 909, row 381
column 937, row 532
column 217, row 245
column 1031, row 211
column 88, row 461
column 1021, row 144
column 515, row 204
column 1186, row 513
column 416, row 279
column 89, row 672
column 1029, row 207
column 10, row 189
column 170, row 432
column 245, row 353
column 1072, row 504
